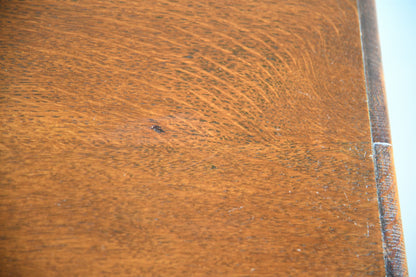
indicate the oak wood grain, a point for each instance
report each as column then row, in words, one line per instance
column 179, row 138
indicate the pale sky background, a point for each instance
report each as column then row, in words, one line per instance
column 397, row 30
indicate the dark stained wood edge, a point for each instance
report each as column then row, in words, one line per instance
column 393, row 241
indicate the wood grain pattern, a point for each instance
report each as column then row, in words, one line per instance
column 264, row 165
column 393, row 241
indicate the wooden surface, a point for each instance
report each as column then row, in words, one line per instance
column 179, row 138
column 393, row 241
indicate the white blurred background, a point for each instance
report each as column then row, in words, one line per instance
column 397, row 30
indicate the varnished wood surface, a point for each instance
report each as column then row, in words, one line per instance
column 394, row 249
column 179, row 138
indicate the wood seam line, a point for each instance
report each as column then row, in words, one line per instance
column 389, row 210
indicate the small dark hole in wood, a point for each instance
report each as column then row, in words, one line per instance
column 157, row 129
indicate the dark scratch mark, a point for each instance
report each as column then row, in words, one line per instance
column 157, row 129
